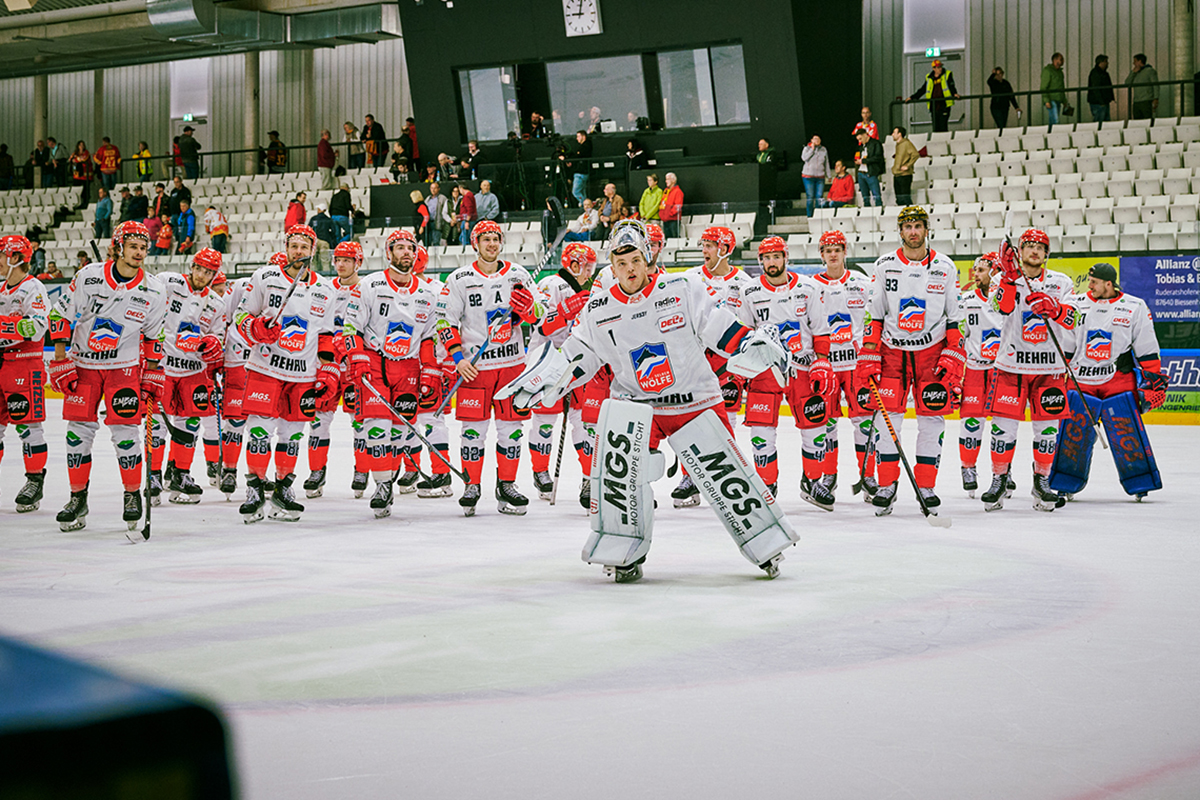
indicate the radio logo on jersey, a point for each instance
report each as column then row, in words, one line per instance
column 789, row 334
column 105, row 335
column 840, row 330
column 652, row 367
column 187, row 339
column 912, row 314
column 398, row 340
column 1099, row 345
column 1033, row 328
column 504, row 332
column 989, row 344
column 293, row 334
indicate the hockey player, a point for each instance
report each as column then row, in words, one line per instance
column 981, row 341
column 288, row 316
column 912, row 344
column 233, row 388
column 390, row 347
column 1028, row 368
column 1115, row 357
column 112, row 316
column 347, row 259
column 192, row 353
column 211, row 424
column 475, row 314
column 433, row 425
column 567, row 292
column 652, row 329
column 23, row 325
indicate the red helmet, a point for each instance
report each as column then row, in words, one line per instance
column 278, row 260
column 723, row 237
column 208, row 259
column 422, row 260
column 655, row 234
column 16, row 245
column 1036, row 236
column 400, row 235
column 772, row 244
column 301, row 230
column 831, row 238
column 219, row 278
column 577, row 252
column 349, row 250
column 482, row 227
column 992, row 259
column 129, row 230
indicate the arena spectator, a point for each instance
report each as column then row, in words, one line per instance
column 295, row 212
column 145, row 162
column 841, row 189
column 123, row 211
column 612, row 209
column 59, row 159
column 446, row 170
column 939, row 93
column 579, row 165
column 999, row 86
column 816, row 168
column 185, row 227
column 1100, row 92
column 438, row 228
column 903, row 162
column 374, row 140
column 1053, row 88
column 410, row 127
column 450, row 214
column 471, row 161
column 651, row 198
column 166, row 235
column 487, row 205
column 537, row 127
column 582, row 228
column 108, row 157
column 468, row 213
column 326, row 160
column 8, row 168
column 871, row 164
column 430, row 174
column 356, row 156
column 52, row 273
column 38, row 159
column 422, row 212
column 217, row 229
column 37, row 262
column 400, row 163
column 179, row 193
column 189, row 153
column 153, row 225
column 161, row 203
column 866, row 124
column 637, row 156
column 406, row 147
column 140, row 204
column 102, row 226
column 341, row 207
column 1145, row 96
column 277, row 154
column 766, row 153
column 81, row 169
column 670, row 208
column 327, row 235
column 176, row 158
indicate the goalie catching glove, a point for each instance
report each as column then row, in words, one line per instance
column 759, row 352
column 545, row 380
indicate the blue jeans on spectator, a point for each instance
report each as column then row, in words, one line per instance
column 868, row 185
column 191, row 170
column 218, row 242
column 464, row 235
column 108, row 180
column 103, row 228
column 579, row 188
column 1052, row 113
column 357, row 160
column 1100, row 112
column 433, row 237
column 47, row 177
column 670, row 228
column 344, row 226
column 581, row 236
column 814, row 188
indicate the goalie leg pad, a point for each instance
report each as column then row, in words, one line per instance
column 1130, row 445
column 737, row 495
column 1076, row 440
column 623, row 467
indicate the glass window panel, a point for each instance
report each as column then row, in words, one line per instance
column 489, row 100
column 585, row 92
column 687, row 93
column 729, row 77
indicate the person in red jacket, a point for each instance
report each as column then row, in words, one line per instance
column 108, row 158
column 466, row 214
column 670, row 208
column 295, row 212
column 841, row 191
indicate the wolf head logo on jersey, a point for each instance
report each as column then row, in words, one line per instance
column 1099, row 345
column 398, row 339
column 789, row 334
column 504, row 331
column 187, row 338
column 652, row 367
column 989, row 344
column 293, row 333
column 105, row 335
column 840, row 330
column 1033, row 328
column 912, row 314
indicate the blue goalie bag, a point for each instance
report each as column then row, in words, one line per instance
column 1076, row 439
column 1130, row 445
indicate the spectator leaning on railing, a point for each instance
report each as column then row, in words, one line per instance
column 1145, row 96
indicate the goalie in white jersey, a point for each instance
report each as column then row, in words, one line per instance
column 652, row 330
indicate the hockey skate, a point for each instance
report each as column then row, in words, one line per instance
column 685, row 494
column 156, row 487
column 510, row 500
column 870, row 486
column 884, row 499
column 283, row 501
column 930, row 497
column 543, row 484
column 407, row 482
column 228, row 483
column 183, row 489
column 252, row 509
column 315, row 485
column 1045, row 498
column 74, row 513
column 772, row 567
column 213, row 470
column 1011, row 486
column 381, row 501
column 628, row 574
column 438, row 485
column 132, row 512
column 585, row 493
column 993, row 498
column 358, row 484
column 816, row 493
column 970, row 481
column 30, row 496
column 470, row 497
column 774, row 488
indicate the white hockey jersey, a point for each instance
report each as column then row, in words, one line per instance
column 27, row 299
column 786, row 307
column 109, row 318
column 470, row 301
column 391, row 319
column 190, row 316
column 342, row 300
column 1025, row 344
column 1106, row 330
column 237, row 349
column 838, row 309
column 307, row 316
column 654, row 342
column 915, row 300
column 980, row 329
column 728, row 287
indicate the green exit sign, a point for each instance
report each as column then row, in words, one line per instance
column 933, row 52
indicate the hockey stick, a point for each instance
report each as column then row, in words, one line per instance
column 862, row 468
column 413, row 428
column 301, row 276
column 474, row 359
column 930, row 516
column 562, row 443
column 149, row 448
column 218, row 399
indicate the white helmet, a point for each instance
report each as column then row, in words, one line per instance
column 629, row 233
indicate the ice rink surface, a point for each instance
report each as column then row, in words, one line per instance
column 1018, row 654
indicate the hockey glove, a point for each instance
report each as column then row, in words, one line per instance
column 257, row 330
column 564, row 313
column 544, row 381
column 329, row 380
column 1152, row 392
column 212, row 352
column 821, row 377
column 154, row 382
column 951, row 366
column 869, row 367
column 63, row 375
column 759, row 352
column 1010, row 265
column 1046, row 306
column 524, row 304
column 431, row 388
